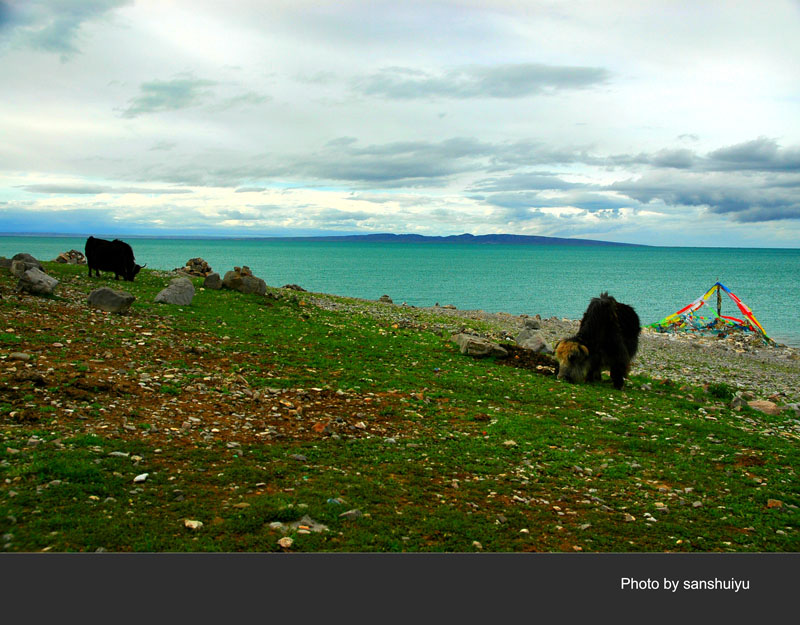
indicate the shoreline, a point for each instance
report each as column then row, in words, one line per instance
column 509, row 296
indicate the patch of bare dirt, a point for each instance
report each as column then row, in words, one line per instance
column 135, row 376
column 528, row 359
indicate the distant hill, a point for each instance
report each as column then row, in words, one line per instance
column 483, row 239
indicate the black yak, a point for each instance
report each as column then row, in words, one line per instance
column 607, row 338
column 116, row 256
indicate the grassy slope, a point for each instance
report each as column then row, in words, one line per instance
column 448, row 450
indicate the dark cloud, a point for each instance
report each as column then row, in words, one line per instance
column 676, row 159
column 52, row 25
column 742, row 198
column 474, row 81
column 762, row 154
column 529, row 200
column 416, row 163
column 406, row 163
column 170, row 95
column 93, row 189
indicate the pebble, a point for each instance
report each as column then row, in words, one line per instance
column 477, row 545
column 285, row 542
column 299, row 457
column 192, row 524
column 697, row 504
column 140, row 478
column 276, row 525
column 19, row 356
column 351, row 514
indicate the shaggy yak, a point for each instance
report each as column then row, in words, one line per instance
column 116, row 256
column 608, row 338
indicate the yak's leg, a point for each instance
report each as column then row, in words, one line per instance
column 618, row 372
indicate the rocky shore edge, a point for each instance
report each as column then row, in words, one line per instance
column 754, row 370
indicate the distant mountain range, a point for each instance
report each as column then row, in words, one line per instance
column 482, row 239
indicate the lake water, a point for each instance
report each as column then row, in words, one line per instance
column 552, row 280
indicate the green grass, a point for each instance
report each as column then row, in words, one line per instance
column 484, row 452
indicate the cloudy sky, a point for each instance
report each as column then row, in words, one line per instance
column 643, row 121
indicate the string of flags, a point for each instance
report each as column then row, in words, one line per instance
column 688, row 319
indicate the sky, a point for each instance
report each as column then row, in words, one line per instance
column 640, row 121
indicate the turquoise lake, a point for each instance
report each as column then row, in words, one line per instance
column 555, row 280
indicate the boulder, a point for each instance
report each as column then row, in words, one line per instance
column 213, row 281
column 28, row 259
column 110, row 300
column 293, row 287
column 37, row 282
column 532, row 323
column 242, row 279
column 478, row 346
column 19, row 267
column 179, row 292
column 535, row 343
column 251, row 284
column 386, row 299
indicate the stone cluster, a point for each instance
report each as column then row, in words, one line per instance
column 73, row 257
column 32, row 278
column 196, row 267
